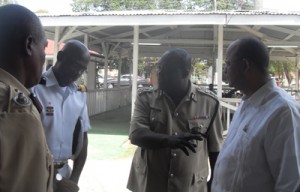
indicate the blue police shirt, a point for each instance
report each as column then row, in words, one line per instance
column 62, row 106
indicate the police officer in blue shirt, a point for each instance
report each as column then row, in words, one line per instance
column 64, row 108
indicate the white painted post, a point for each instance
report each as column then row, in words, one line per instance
column 220, row 60
column 297, row 75
column 135, row 65
column 105, row 63
column 86, row 74
column 56, row 45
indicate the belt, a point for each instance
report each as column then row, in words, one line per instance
column 59, row 165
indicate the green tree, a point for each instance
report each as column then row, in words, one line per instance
column 119, row 5
column 281, row 69
column 5, row 2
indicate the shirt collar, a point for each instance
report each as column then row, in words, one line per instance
column 52, row 81
column 257, row 98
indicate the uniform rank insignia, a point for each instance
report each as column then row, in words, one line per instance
column 49, row 110
column 22, row 100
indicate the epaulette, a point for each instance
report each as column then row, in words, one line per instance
column 81, row 88
column 208, row 93
column 144, row 90
column 42, row 81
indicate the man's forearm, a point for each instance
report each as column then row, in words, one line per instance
column 80, row 160
column 147, row 139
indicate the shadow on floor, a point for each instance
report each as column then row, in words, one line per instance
column 108, row 138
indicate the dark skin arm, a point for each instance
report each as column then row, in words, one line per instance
column 80, row 160
column 212, row 159
column 151, row 140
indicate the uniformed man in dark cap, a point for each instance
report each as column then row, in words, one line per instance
column 177, row 129
column 25, row 161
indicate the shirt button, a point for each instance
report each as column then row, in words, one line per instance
column 174, row 154
column 171, row 175
column 175, row 133
column 176, row 114
column 152, row 119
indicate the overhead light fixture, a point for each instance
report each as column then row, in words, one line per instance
column 282, row 46
column 155, row 44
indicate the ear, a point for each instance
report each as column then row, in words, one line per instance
column 60, row 55
column 247, row 65
column 28, row 45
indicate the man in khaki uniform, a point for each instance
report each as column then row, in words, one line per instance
column 25, row 161
column 167, row 124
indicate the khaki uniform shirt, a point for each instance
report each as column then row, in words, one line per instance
column 170, row 170
column 25, row 161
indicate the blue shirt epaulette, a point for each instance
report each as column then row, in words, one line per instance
column 145, row 90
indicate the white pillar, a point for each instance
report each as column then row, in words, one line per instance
column 104, row 50
column 297, row 74
column 135, row 65
column 220, row 60
column 85, row 75
column 120, row 68
column 56, row 45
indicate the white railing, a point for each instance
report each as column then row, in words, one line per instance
column 102, row 100
column 229, row 106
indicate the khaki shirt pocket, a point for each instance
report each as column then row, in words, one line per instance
column 198, row 125
column 157, row 121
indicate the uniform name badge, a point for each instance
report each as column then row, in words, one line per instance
column 49, row 110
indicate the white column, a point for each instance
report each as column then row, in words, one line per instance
column 104, row 50
column 135, row 65
column 56, row 45
column 85, row 75
column 297, row 74
column 120, row 68
column 220, row 60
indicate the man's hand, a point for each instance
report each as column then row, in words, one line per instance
column 66, row 185
column 182, row 141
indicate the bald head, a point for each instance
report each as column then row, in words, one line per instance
column 22, row 44
column 252, row 49
column 72, row 61
column 16, row 24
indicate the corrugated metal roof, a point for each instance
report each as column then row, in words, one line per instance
column 169, row 12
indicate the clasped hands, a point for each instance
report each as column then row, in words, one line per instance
column 182, row 141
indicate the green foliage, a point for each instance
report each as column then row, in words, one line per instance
column 280, row 69
column 5, row 2
column 120, row 5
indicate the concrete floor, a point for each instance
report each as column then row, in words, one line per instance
column 109, row 153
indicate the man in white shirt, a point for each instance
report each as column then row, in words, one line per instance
column 260, row 152
column 64, row 108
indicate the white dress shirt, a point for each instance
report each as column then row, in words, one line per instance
column 62, row 106
column 259, row 154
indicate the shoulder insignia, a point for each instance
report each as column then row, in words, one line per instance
column 81, row 88
column 145, row 90
column 22, row 100
column 208, row 93
column 42, row 81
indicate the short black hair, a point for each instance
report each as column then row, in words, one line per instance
column 176, row 57
column 16, row 23
column 254, row 50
